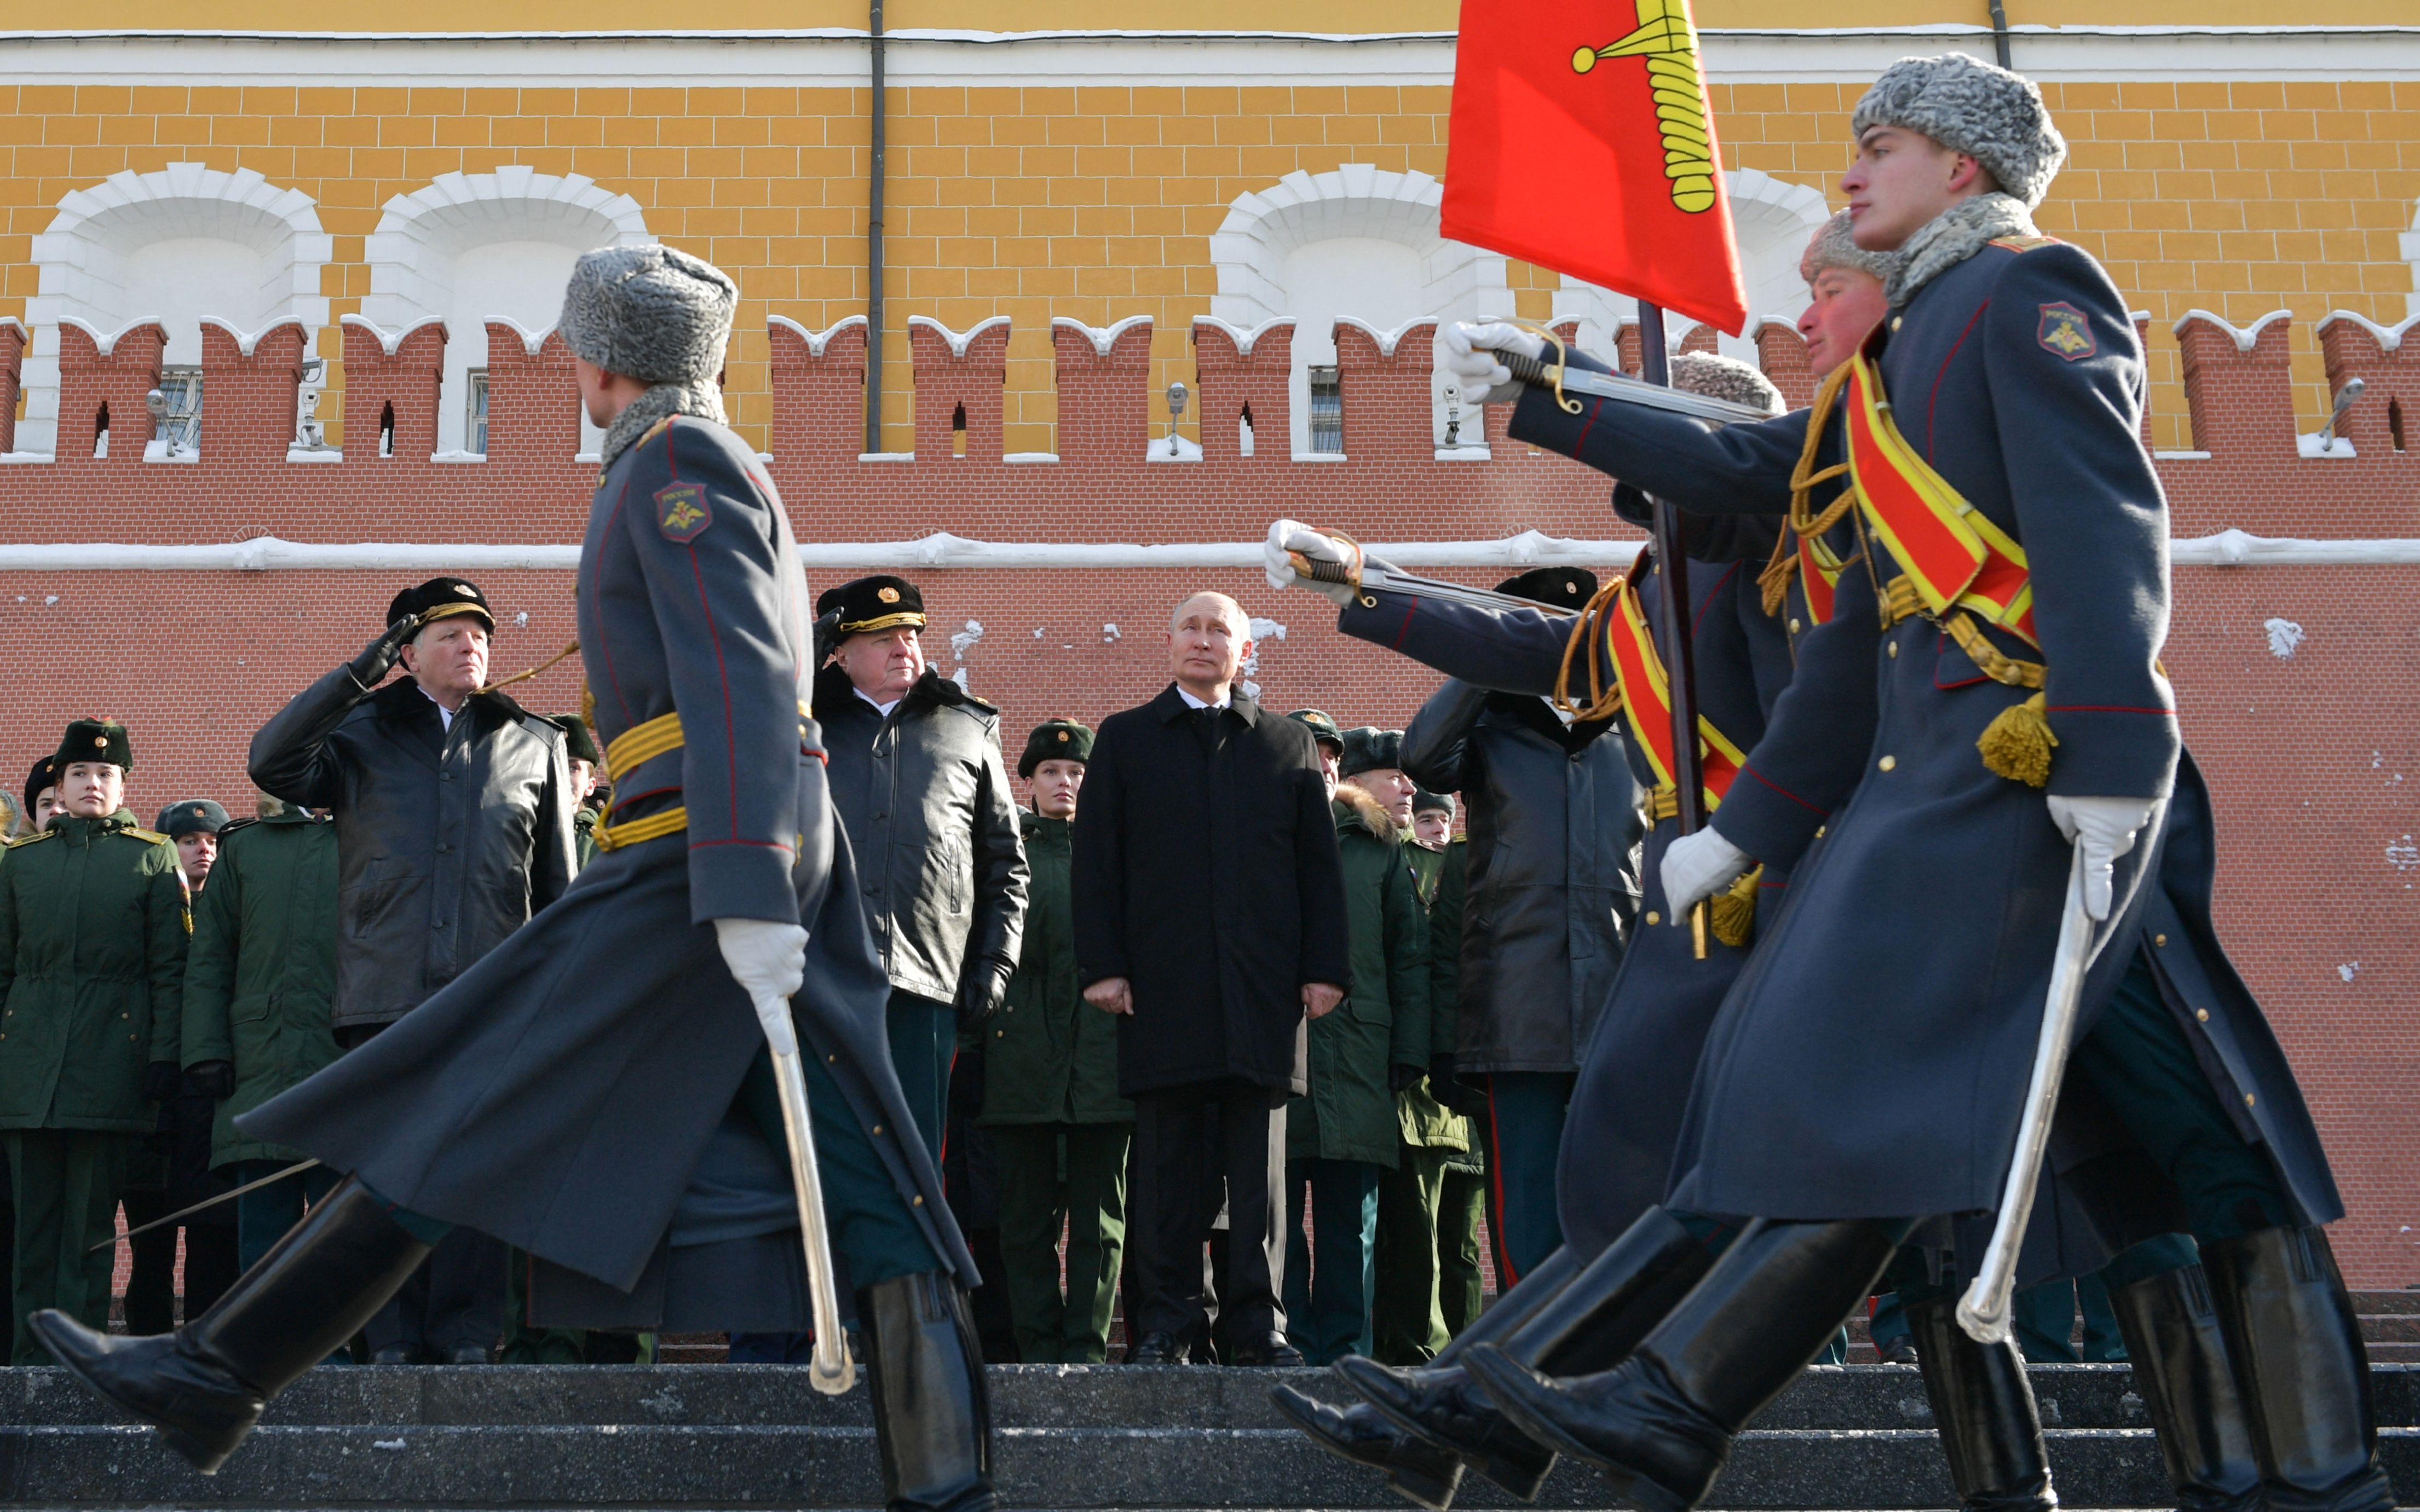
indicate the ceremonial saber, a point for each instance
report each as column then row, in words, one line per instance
column 830, row 1369
column 270, row 1179
column 1983, row 1311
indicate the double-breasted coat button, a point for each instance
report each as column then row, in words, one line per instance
column 2202, row 1014
column 1891, row 651
column 2159, row 940
column 1888, row 763
column 1655, row 918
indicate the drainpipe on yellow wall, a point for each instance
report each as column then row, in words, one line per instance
column 874, row 240
column 1999, row 34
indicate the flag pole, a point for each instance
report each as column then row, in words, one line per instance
column 1673, row 628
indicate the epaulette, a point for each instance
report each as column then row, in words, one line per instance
column 234, row 825
column 2024, row 243
column 28, row 840
column 149, row 836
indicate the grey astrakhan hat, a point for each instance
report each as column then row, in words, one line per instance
column 1726, row 378
column 654, row 314
column 1831, row 247
column 1994, row 116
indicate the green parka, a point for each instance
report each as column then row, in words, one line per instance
column 260, row 982
column 92, row 970
column 1349, row 1112
column 1442, row 883
column 1048, row 1056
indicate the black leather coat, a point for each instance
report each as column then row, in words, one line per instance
column 1552, row 819
column 447, row 840
column 924, row 796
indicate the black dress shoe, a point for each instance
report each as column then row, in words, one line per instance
column 1272, row 1350
column 1427, row 1475
column 1445, row 1409
column 1901, row 1351
column 468, row 1354
column 391, row 1355
column 1156, row 1349
column 203, row 1386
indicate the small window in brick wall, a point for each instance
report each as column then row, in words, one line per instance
column 180, row 418
column 386, row 429
column 1326, row 410
column 101, row 431
column 2395, row 423
column 958, row 431
column 474, row 413
column 1244, row 431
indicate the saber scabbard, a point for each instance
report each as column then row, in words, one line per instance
column 830, row 1369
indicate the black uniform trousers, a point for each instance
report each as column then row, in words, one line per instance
column 1193, row 1146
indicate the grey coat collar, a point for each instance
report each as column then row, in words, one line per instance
column 665, row 400
column 1950, row 238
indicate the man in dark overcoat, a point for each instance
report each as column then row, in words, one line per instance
column 1209, row 909
column 617, row 1128
column 1985, row 705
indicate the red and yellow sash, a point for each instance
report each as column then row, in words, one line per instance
column 1801, row 552
column 1954, row 556
column 1647, row 701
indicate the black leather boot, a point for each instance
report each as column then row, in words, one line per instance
column 2295, row 1345
column 203, row 1386
column 1983, row 1409
column 1660, row 1424
column 2181, row 1372
column 931, row 1415
column 1426, row 1472
column 1589, row 1325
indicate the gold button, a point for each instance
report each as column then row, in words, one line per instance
column 1888, row 763
column 2202, row 1013
column 121, row 1015
column 878, row 1129
column 916, row 1202
column 1000, row 1034
column 1793, row 625
column 2249, row 1099
column 2159, row 940
column 1895, row 322
column 1891, row 651
column 832, row 1061
column 1655, row 918
column 1819, row 830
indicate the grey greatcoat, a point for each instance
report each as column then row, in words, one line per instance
column 447, row 839
column 1553, row 817
column 559, row 1094
column 932, row 821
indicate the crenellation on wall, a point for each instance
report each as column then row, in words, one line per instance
column 961, row 388
column 109, row 374
column 1388, row 410
column 1244, row 373
column 533, row 397
column 2238, row 384
column 392, row 379
column 1781, row 352
column 1104, row 382
column 248, row 384
column 818, row 383
column 2384, row 421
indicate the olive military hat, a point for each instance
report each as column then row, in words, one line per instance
column 1369, row 749
column 868, row 604
column 42, row 775
column 441, row 598
column 192, row 816
column 1568, row 588
column 94, row 740
column 1423, row 801
column 1055, row 740
column 1323, row 729
column 578, row 743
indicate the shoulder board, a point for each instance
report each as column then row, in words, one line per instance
column 655, row 430
column 149, row 835
column 234, row 825
column 2024, row 243
column 33, row 840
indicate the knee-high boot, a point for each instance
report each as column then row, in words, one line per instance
column 1983, row 1409
column 2182, row 1374
column 2295, row 1345
column 1589, row 1325
column 1660, row 1424
column 1424, row 1471
column 931, row 1416
column 204, row 1385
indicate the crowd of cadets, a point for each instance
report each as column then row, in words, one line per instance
column 157, row 982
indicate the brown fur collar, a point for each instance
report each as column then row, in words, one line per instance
column 1367, row 809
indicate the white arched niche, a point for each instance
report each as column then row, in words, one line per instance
column 1771, row 220
column 1358, row 243
column 469, row 248
column 176, row 245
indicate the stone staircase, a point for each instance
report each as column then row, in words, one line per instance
column 1069, row 1437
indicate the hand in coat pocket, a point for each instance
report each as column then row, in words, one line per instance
column 1319, row 998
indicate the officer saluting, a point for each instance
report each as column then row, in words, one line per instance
column 2001, row 635
column 599, row 1094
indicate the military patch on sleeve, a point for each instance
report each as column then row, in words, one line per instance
column 2064, row 330
column 681, row 511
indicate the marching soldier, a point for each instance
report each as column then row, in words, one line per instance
column 1985, row 695
column 92, row 965
column 599, row 1097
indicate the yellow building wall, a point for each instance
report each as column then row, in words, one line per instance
column 1098, row 203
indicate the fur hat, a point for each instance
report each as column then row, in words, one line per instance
column 1423, row 801
column 45, row 775
column 94, row 740
column 1368, row 749
column 1561, row 587
column 1994, row 116
column 1726, row 378
column 1055, row 740
column 1831, row 247
column 192, row 816
column 654, row 314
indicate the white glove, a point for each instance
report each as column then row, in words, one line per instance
column 1470, row 348
column 2105, row 829
column 770, row 962
column 1293, row 536
column 1696, row 867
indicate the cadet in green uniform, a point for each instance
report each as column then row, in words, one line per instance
column 580, row 746
column 1343, row 1135
column 92, row 965
column 1440, row 859
column 259, row 990
column 1051, row 1096
column 1408, row 1324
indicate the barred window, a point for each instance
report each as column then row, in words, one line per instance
column 1326, row 410
column 474, row 413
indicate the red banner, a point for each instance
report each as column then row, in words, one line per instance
column 1583, row 142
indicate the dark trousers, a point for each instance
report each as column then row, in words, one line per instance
column 924, row 1041
column 263, row 1217
column 1461, row 1290
column 1523, row 1132
column 1330, row 1269
column 1193, row 1146
column 1036, row 1201
column 65, row 1183
column 1406, row 1326
column 454, row 1300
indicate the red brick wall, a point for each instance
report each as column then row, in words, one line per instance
column 2312, row 758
